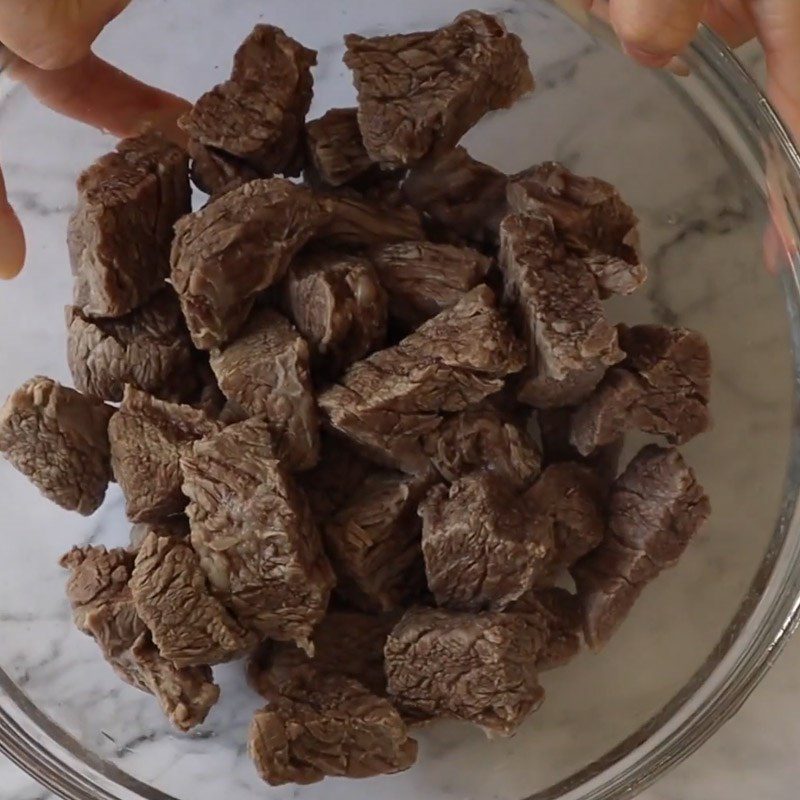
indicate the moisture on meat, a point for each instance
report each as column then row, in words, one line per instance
column 58, row 439
column 373, row 542
column 484, row 438
column 148, row 437
column 460, row 194
column 662, row 388
column 423, row 278
column 253, row 530
column 421, row 92
column 590, row 217
column 346, row 642
column 390, row 402
column 148, row 348
column 120, row 232
column 103, row 608
column 476, row 667
column 252, row 124
column 265, row 371
column 557, row 306
column 189, row 626
column 322, row 725
column 656, row 507
column 339, row 306
column 483, row 548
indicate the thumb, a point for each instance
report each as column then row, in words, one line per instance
column 12, row 240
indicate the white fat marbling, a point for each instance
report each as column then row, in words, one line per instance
column 702, row 227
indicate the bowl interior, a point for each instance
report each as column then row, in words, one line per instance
column 702, row 215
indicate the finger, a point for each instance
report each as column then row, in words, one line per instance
column 732, row 20
column 12, row 240
column 95, row 92
column 653, row 31
column 54, row 33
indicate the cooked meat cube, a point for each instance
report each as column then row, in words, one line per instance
column 460, row 194
column 557, row 613
column 176, row 527
column 120, row 233
column 477, row 667
column 103, row 608
column 58, row 439
column 483, row 548
column 328, row 725
column 568, row 500
column 189, row 626
column 389, row 402
column 590, row 217
column 345, row 642
column 148, row 437
column 484, row 438
column 374, row 542
column 266, row 372
column 558, row 306
column 656, row 508
column 355, row 221
column 253, row 530
column 423, row 91
column 339, row 306
column 256, row 118
column 148, row 348
column 215, row 172
column 423, row 278
column 662, row 388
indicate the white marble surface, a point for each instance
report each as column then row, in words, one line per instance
column 702, row 233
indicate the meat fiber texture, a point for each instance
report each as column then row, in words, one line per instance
column 252, row 124
column 656, row 508
column 388, row 403
column 480, row 668
column 266, row 372
column 58, row 439
column 148, row 438
column 254, row 533
column 103, row 608
column 149, row 348
column 322, row 725
column 120, row 233
column 420, row 92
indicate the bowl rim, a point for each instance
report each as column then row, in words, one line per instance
column 753, row 640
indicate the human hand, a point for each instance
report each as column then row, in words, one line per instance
column 50, row 43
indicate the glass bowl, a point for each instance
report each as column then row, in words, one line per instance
column 692, row 155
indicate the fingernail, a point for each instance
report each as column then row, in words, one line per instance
column 12, row 244
column 646, row 57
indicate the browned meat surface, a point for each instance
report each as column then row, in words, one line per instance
column 423, row 91
column 477, row 667
column 359, row 222
column 252, row 124
column 590, row 217
column 254, row 533
column 189, row 626
column 483, row 548
column 656, row 508
column 339, row 306
column 121, row 230
column 266, row 373
column 389, row 402
column 58, row 439
column 662, row 388
column 148, row 348
column 557, row 305
column 148, row 437
column 176, row 527
column 345, row 642
column 484, row 439
column 422, row 279
column 103, row 608
column 460, row 194
column 324, row 725
column 374, row 542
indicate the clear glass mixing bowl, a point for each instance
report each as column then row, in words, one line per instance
column 692, row 155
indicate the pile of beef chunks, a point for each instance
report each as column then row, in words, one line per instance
column 369, row 424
